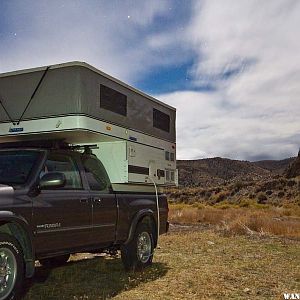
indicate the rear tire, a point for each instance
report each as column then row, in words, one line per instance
column 138, row 253
column 11, row 267
column 54, row 261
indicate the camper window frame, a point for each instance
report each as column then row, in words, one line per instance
column 161, row 120
column 112, row 100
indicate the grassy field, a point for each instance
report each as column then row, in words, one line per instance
column 192, row 262
column 239, row 219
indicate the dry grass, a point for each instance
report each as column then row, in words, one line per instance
column 199, row 264
column 270, row 220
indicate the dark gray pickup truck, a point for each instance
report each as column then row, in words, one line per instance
column 55, row 202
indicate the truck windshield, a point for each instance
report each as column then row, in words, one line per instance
column 15, row 166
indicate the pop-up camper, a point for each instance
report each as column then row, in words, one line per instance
column 134, row 133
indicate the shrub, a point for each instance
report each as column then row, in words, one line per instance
column 221, row 196
column 202, row 193
column 207, row 194
column 233, row 192
column 244, row 204
column 238, row 185
column 262, row 198
column 258, row 189
column 291, row 183
column 217, row 190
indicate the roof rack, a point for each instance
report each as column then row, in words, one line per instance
column 47, row 144
column 54, row 144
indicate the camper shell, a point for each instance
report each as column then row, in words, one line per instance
column 134, row 132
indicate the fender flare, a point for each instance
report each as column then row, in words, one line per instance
column 136, row 219
column 10, row 217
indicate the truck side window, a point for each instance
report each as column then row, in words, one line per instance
column 57, row 162
column 96, row 174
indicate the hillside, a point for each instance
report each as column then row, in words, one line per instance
column 220, row 180
column 276, row 166
column 293, row 169
column 215, row 171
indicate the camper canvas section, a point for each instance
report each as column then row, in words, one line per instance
column 78, row 89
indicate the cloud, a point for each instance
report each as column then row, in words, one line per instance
column 249, row 51
column 114, row 36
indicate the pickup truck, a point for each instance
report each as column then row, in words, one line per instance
column 59, row 201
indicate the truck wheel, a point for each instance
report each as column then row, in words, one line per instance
column 11, row 267
column 138, row 253
column 54, row 261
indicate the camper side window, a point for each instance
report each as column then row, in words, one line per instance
column 113, row 100
column 96, row 174
column 161, row 120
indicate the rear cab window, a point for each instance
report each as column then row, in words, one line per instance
column 96, row 174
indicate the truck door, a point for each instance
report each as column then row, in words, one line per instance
column 62, row 217
column 104, row 204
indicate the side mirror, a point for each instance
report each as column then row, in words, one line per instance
column 52, row 180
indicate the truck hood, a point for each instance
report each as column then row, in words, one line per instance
column 6, row 190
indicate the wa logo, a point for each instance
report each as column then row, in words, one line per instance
column 291, row 296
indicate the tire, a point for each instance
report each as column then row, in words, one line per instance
column 138, row 253
column 54, row 261
column 11, row 267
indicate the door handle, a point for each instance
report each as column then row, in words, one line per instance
column 97, row 200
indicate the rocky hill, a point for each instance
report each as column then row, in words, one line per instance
column 275, row 166
column 216, row 171
column 293, row 169
column 224, row 182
